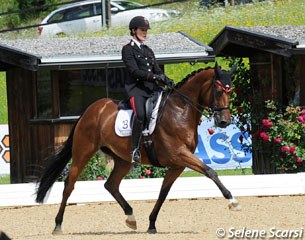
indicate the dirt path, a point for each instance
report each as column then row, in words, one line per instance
column 178, row 219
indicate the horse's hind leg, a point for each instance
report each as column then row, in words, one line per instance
column 120, row 170
column 169, row 178
column 80, row 158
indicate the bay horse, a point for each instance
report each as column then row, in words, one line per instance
column 175, row 139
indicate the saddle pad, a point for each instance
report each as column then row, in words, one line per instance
column 123, row 121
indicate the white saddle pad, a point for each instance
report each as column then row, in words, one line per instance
column 123, row 121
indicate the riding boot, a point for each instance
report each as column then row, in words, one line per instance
column 136, row 138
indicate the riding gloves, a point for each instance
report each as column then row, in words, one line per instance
column 161, row 78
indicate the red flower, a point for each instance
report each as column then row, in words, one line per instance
column 303, row 112
column 99, row 178
column 267, row 123
column 257, row 133
column 292, row 149
column 211, row 131
column 264, row 136
column 278, row 139
column 301, row 119
column 299, row 160
column 285, row 149
column 147, row 172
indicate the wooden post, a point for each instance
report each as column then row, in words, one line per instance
column 302, row 81
column 108, row 13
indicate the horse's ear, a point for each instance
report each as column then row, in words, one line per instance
column 217, row 68
column 233, row 70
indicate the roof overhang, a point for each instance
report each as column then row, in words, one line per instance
column 81, row 62
column 17, row 55
column 12, row 57
column 240, row 42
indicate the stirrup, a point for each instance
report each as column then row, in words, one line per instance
column 136, row 156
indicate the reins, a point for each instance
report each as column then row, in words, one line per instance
column 211, row 109
column 189, row 101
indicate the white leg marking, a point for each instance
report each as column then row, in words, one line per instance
column 234, row 205
column 131, row 218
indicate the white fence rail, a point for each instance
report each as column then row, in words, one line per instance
column 148, row 189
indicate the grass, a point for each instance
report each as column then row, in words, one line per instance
column 5, row 179
column 3, row 99
column 226, row 172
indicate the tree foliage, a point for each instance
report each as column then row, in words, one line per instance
column 36, row 6
column 24, row 11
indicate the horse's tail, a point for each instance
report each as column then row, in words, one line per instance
column 55, row 165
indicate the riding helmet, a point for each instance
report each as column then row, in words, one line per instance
column 139, row 22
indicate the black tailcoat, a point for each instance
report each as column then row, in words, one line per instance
column 141, row 65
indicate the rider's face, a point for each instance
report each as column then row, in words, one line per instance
column 141, row 34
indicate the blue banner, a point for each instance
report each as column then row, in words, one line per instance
column 223, row 148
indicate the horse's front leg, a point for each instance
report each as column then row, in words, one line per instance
column 169, row 178
column 197, row 165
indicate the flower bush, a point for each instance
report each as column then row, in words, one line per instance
column 279, row 133
column 283, row 133
column 96, row 170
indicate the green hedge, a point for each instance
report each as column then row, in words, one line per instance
column 96, row 170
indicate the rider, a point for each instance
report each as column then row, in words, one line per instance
column 144, row 77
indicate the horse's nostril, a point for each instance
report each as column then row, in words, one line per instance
column 224, row 123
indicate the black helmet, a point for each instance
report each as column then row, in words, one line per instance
column 139, row 22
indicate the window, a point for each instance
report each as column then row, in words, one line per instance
column 72, row 13
column 98, row 9
column 79, row 88
column 44, row 94
column 79, row 12
column 57, row 17
column 72, row 91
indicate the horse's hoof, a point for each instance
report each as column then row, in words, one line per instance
column 131, row 222
column 152, row 231
column 57, row 232
column 234, row 205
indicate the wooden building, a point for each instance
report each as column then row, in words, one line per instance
column 51, row 81
column 277, row 66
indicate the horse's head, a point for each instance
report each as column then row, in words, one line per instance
column 220, row 96
column 208, row 88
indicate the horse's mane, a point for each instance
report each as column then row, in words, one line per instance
column 186, row 78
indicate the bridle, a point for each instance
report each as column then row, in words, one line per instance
column 211, row 108
column 226, row 89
